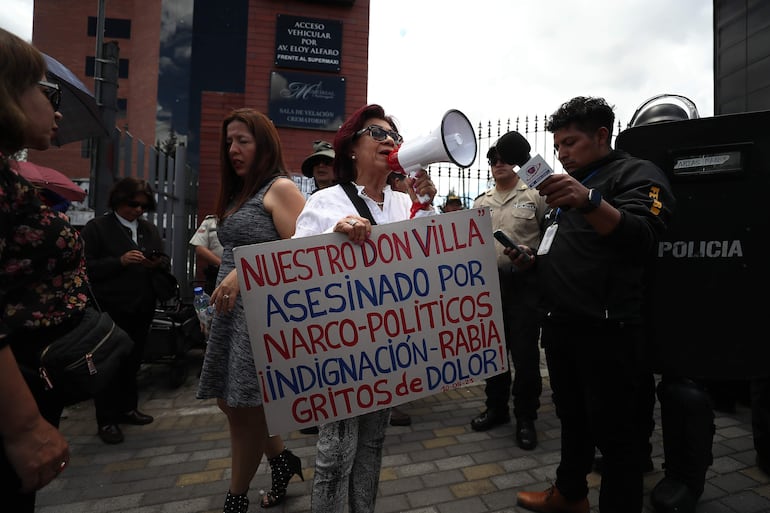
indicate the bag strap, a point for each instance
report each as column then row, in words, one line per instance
column 360, row 204
column 93, row 296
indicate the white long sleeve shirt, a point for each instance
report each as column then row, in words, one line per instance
column 325, row 207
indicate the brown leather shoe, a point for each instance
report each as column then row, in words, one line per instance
column 551, row 501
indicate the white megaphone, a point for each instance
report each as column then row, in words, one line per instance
column 452, row 141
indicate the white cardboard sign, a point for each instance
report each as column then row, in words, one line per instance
column 340, row 329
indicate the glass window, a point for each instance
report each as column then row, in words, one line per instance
column 113, row 27
column 122, row 106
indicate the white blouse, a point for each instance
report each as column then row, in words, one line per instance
column 327, row 206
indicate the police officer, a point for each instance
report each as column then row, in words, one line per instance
column 518, row 211
column 208, row 250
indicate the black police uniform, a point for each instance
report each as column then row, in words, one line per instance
column 593, row 332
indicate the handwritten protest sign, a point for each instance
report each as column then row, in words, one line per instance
column 340, row 329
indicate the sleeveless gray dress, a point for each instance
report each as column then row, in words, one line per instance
column 228, row 366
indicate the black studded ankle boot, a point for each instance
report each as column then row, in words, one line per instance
column 236, row 503
column 282, row 467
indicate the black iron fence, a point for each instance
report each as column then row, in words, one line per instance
column 469, row 182
column 176, row 194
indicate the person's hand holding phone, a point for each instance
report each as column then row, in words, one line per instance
column 514, row 250
column 152, row 258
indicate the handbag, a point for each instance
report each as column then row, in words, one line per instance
column 81, row 363
column 165, row 285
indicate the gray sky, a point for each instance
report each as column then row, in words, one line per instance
column 498, row 58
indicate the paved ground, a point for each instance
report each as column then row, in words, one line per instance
column 180, row 463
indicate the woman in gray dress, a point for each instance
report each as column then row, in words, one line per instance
column 257, row 202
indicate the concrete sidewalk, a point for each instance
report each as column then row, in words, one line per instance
column 180, row 462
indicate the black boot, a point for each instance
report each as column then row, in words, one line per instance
column 236, row 503
column 687, row 420
column 282, row 467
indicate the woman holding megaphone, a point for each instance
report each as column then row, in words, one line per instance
column 349, row 451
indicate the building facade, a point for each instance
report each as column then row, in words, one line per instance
column 184, row 64
column 304, row 63
column 741, row 56
column 67, row 32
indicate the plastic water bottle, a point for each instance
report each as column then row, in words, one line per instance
column 202, row 307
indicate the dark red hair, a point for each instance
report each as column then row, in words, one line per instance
column 344, row 170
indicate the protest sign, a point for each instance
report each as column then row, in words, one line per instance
column 340, row 329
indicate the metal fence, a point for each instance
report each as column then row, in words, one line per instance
column 469, row 182
column 176, row 193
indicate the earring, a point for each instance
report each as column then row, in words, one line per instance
column 352, row 157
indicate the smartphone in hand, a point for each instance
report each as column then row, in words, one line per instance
column 151, row 253
column 506, row 241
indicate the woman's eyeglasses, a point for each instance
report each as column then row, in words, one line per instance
column 379, row 134
column 52, row 92
column 135, row 204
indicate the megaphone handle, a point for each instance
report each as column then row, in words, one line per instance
column 424, row 199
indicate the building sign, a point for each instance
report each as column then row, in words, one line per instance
column 340, row 329
column 305, row 100
column 308, row 43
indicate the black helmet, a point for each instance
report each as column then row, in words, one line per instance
column 663, row 108
column 661, row 113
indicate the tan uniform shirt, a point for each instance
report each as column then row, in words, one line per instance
column 206, row 236
column 518, row 212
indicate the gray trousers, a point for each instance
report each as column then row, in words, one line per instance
column 347, row 465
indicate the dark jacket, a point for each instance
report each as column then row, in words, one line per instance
column 589, row 277
column 118, row 287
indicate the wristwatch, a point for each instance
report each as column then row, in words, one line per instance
column 594, row 200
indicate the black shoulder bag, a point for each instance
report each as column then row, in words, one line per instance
column 81, row 363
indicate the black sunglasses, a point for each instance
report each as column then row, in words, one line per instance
column 495, row 160
column 134, row 204
column 52, row 92
column 379, row 134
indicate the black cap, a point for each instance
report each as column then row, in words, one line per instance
column 513, row 148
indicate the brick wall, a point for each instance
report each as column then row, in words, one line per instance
column 260, row 56
column 60, row 29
